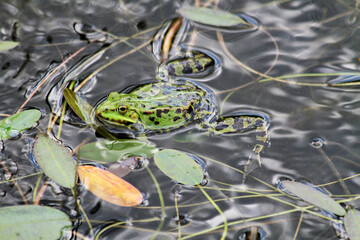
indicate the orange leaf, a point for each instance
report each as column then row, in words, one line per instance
column 109, row 187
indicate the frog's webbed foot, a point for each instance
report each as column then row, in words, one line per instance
column 242, row 123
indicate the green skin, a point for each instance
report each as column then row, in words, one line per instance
column 192, row 64
column 165, row 106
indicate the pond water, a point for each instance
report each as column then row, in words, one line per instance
column 314, row 127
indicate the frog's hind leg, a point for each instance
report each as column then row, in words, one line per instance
column 242, row 123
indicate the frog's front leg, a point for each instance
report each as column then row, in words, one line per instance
column 242, row 123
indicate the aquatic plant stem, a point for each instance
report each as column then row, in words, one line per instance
column 226, row 50
column 110, row 63
column 335, row 171
column 16, row 184
column 177, row 215
column 51, row 73
column 225, row 224
column 162, row 203
column 298, row 226
column 72, row 84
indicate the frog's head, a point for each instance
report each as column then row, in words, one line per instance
column 117, row 111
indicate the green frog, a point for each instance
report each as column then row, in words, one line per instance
column 164, row 106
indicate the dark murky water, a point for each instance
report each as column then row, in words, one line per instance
column 310, row 125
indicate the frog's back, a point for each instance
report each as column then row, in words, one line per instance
column 167, row 106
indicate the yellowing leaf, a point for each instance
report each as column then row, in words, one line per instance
column 109, row 187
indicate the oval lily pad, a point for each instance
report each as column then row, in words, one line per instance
column 212, row 17
column 7, row 45
column 179, row 166
column 109, row 187
column 314, row 197
column 352, row 223
column 55, row 160
column 117, row 150
column 13, row 125
column 32, row 222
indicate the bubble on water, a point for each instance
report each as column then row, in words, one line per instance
column 182, row 219
column 317, row 142
column 252, row 233
column 14, row 133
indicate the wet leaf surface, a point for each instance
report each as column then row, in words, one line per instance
column 7, row 45
column 82, row 108
column 109, row 187
column 55, row 160
column 13, row 125
column 218, row 18
column 179, row 166
column 314, row 197
column 32, row 222
column 352, row 224
column 117, row 150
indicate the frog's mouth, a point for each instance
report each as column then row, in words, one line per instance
column 118, row 121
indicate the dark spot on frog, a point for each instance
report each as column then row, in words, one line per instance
column 176, row 118
column 198, row 66
column 148, row 112
column 156, row 123
column 171, row 70
column 178, row 110
column 158, row 113
column 186, row 67
column 191, row 108
column 152, row 118
column 166, row 111
column 238, row 123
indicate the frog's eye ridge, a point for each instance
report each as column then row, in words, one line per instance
column 122, row 109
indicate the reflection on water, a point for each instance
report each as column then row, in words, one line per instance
column 281, row 69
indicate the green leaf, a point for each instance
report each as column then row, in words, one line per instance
column 55, row 160
column 352, row 224
column 179, row 166
column 7, row 45
column 85, row 111
column 117, row 150
column 12, row 126
column 208, row 16
column 32, row 222
column 314, row 197
column 82, row 108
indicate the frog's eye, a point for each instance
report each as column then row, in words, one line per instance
column 122, row 109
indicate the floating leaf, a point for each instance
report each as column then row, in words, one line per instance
column 179, row 166
column 55, row 160
column 123, row 168
column 7, row 45
column 314, row 197
column 32, row 222
column 213, row 17
column 109, row 187
column 352, row 224
column 82, row 108
column 12, row 126
column 117, row 150
column 85, row 111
